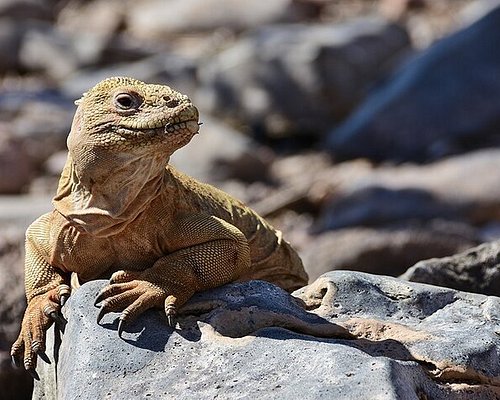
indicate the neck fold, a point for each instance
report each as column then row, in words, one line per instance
column 107, row 205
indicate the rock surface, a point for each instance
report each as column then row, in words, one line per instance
column 463, row 187
column 150, row 19
column 386, row 250
column 411, row 341
column 222, row 153
column 475, row 270
column 442, row 102
column 296, row 79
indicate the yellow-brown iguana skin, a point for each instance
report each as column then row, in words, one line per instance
column 122, row 212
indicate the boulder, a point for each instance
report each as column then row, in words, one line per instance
column 16, row 168
column 475, row 270
column 222, row 153
column 387, row 250
column 166, row 68
column 39, row 118
column 152, row 20
column 442, row 102
column 405, row 341
column 296, row 79
column 461, row 188
column 11, row 36
column 27, row 9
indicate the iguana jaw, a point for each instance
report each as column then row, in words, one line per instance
column 117, row 155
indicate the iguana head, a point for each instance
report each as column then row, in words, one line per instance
column 122, row 136
column 126, row 114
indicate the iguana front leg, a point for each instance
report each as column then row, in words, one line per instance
column 46, row 292
column 214, row 253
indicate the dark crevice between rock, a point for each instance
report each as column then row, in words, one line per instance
column 454, row 375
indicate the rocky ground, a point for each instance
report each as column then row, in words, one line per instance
column 367, row 131
column 252, row 340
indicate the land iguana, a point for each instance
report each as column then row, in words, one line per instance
column 122, row 212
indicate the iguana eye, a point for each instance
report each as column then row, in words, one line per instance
column 125, row 101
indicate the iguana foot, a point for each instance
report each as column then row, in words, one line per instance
column 133, row 293
column 41, row 312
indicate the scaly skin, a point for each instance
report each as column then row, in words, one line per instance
column 122, row 212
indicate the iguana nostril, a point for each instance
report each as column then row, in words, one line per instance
column 171, row 103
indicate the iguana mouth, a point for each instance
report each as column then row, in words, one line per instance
column 191, row 125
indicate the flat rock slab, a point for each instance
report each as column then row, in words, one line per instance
column 253, row 340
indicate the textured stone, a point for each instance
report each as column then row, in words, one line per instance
column 26, row 9
column 296, row 79
column 222, row 153
column 16, row 168
column 475, row 270
column 463, row 187
column 385, row 250
column 442, row 102
column 151, row 20
column 252, row 340
column 166, row 68
column 40, row 119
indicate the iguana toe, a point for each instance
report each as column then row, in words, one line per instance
column 33, row 373
column 124, row 276
column 132, row 298
column 113, row 289
column 63, row 293
column 171, row 310
column 40, row 314
column 64, row 298
column 120, row 327
column 43, row 356
column 58, row 318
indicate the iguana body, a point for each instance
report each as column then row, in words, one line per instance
column 122, row 211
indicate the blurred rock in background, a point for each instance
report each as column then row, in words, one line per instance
column 367, row 131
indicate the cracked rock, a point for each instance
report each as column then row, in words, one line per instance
column 475, row 270
column 406, row 341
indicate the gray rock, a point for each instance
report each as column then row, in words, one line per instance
column 99, row 18
column 11, row 35
column 222, row 153
column 59, row 54
column 166, row 68
column 152, row 20
column 385, row 250
column 442, row 102
column 475, row 270
column 296, row 78
column 461, row 188
column 252, row 340
column 16, row 168
column 378, row 206
column 47, row 50
column 27, row 9
column 20, row 211
column 40, row 119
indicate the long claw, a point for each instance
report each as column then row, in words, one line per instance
column 171, row 320
column 58, row 318
column 64, row 299
column 33, row 374
column 121, row 326
column 98, row 299
column 102, row 312
column 171, row 313
column 44, row 356
column 15, row 361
